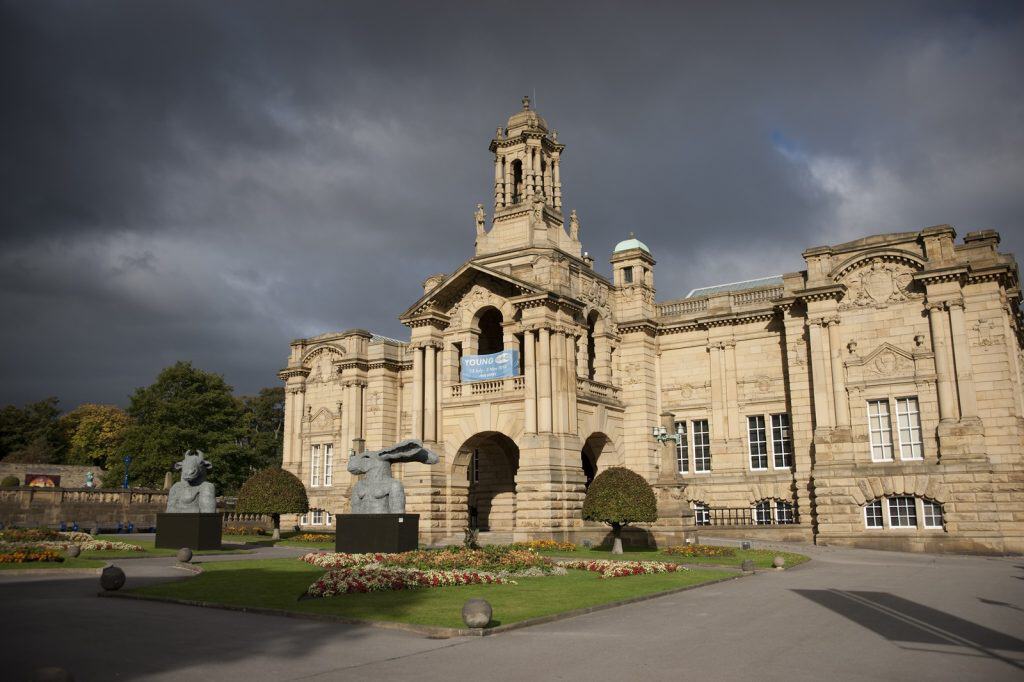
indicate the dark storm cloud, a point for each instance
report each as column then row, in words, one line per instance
column 206, row 181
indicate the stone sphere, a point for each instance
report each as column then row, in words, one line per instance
column 52, row 674
column 747, row 566
column 779, row 562
column 73, row 551
column 184, row 555
column 112, row 578
column 476, row 613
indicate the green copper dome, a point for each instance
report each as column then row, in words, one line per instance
column 631, row 243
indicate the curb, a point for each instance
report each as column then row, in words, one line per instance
column 429, row 631
column 53, row 571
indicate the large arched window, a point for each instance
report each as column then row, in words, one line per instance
column 517, row 181
column 491, row 338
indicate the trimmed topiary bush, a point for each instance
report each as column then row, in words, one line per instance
column 273, row 491
column 10, row 482
column 619, row 496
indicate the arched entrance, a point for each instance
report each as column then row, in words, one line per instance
column 593, row 447
column 493, row 460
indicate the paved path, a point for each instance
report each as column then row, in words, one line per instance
column 847, row 615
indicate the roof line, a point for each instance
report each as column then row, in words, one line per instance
column 730, row 284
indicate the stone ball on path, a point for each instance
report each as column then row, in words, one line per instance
column 184, row 555
column 73, row 551
column 476, row 613
column 112, row 578
column 779, row 562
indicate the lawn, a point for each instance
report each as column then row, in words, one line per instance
column 149, row 549
column 277, row 584
column 762, row 558
column 67, row 563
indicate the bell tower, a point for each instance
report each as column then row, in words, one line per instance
column 527, row 188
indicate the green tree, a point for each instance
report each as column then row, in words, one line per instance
column 185, row 408
column 264, row 416
column 619, row 496
column 94, row 433
column 273, row 491
column 31, row 433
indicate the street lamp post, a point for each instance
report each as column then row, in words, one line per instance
column 127, row 463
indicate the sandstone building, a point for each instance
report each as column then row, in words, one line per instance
column 873, row 399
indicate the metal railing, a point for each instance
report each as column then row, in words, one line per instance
column 745, row 516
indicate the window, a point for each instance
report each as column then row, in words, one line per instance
column 758, row 442
column 873, row 514
column 303, row 520
column 314, row 469
column 763, row 513
column 627, row 274
column 474, row 467
column 701, row 514
column 784, row 512
column 328, row 464
column 782, row 443
column 701, row 445
column 682, row 448
column 908, row 419
column 932, row 514
column 318, row 517
column 902, row 512
column 880, row 429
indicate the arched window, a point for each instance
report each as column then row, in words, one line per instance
column 517, row 181
column 491, row 338
column 591, row 344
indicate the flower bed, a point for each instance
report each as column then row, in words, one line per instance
column 551, row 545
column 499, row 559
column 701, row 551
column 88, row 545
column 314, row 537
column 375, row 578
column 244, row 530
column 29, row 535
column 24, row 555
column 619, row 569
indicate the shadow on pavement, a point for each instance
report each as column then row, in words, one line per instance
column 901, row 620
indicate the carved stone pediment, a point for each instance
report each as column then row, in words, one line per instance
column 322, row 420
column 878, row 283
column 472, row 299
column 886, row 363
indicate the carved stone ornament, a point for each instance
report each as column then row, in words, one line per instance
column 878, row 284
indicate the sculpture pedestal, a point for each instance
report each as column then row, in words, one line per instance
column 390, row 533
column 195, row 531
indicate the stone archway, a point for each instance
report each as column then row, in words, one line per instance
column 593, row 447
column 491, row 461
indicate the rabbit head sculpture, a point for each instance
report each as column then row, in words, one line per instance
column 377, row 492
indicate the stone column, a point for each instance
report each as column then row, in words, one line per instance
column 509, row 181
column 557, row 181
column 602, row 359
column 571, row 355
column 508, row 336
column 732, row 392
column 717, row 379
column 544, row 380
column 548, row 193
column 943, row 375
column 530, row 400
column 962, row 358
column 582, row 359
column 450, row 365
column 559, row 407
column 499, row 189
column 417, row 392
column 823, row 403
column 842, row 403
column 430, row 394
column 528, row 173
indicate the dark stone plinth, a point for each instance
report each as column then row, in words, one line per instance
column 357, row 533
column 195, row 531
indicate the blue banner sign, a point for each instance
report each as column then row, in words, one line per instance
column 493, row 366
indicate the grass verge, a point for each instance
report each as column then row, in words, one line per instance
column 277, row 584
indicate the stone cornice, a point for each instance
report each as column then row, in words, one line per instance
column 822, row 293
column 648, row 327
column 957, row 273
column 293, row 373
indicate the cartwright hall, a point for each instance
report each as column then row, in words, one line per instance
column 872, row 399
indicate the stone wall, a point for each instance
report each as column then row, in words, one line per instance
column 71, row 475
column 29, row 507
